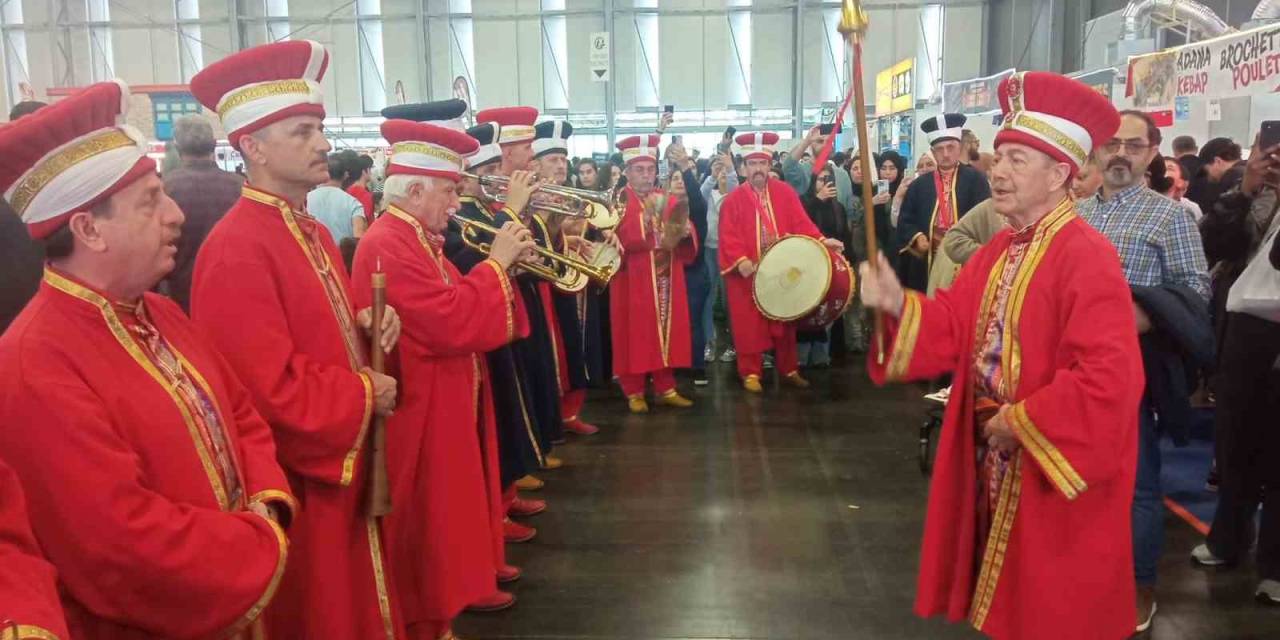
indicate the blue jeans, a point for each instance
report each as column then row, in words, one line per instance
column 816, row 353
column 696, row 285
column 1148, row 503
column 706, row 315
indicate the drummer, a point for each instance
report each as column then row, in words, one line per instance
column 752, row 218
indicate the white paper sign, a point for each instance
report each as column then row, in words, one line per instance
column 1213, row 111
column 599, row 61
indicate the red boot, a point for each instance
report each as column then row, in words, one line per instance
column 508, row 574
column 581, row 428
column 515, row 533
column 498, row 601
column 522, row 508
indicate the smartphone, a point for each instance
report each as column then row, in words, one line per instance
column 729, row 133
column 671, row 108
column 827, row 129
column 1270, row 135
column 882, row 186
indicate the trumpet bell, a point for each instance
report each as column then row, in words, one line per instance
column 602, row 216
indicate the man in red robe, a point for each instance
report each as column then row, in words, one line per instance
column 753, row 217
column 648, row 305
column 1027, row 532
column 270, row 288
column 445, row 533
column 29, row 605
column 152, row 482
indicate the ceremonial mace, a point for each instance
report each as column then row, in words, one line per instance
column 379, row 498
column 853, row 26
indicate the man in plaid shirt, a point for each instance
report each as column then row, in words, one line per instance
column 1159, row 244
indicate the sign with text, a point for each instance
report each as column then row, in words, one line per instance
column 599, row 56
column 894, row 88
column 1101, row 80
column 1238, row 64
column 976, row 95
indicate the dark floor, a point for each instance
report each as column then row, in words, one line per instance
column 792, row 516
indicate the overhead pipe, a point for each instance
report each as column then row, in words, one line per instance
column 1266, row 11
column 1200, row 17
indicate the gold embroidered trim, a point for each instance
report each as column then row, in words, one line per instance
column 44, row 173
column 26, row 632
column 904, row 344
column 1047, row 229
column 984, row 591
column 260, row 91
column 515, row 133
column 380, row 577
column 1025, row 121
column 277, row 495
column 269, row 594
column 426, row 150
column 507, row 296
column 349, row 463
column 126, row 341
column 1055, row 465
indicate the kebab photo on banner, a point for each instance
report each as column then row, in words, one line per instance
column 853, row 26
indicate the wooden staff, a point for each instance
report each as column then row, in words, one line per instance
column 379, row 498
column 853, row 26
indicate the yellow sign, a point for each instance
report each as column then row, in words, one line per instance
column 894, row 88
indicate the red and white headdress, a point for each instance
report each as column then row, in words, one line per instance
column 758, row 145
column 422, row 149
column 515, row 124
column 257, row 87
column 639, row 148
column 70, row 156
column 1064, row 118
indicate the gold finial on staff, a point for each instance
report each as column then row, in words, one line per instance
column 853, row 20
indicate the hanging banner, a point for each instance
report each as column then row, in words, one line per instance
column 977, row 95
column 1102, row 80
column 1237, row 64
column 895, row 88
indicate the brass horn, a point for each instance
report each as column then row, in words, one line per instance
column 568, row 274
column 593, row 206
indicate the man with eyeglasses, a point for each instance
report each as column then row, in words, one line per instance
column 1160, row 251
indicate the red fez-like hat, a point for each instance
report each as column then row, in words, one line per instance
column 515, row 124
column 1064, row 118
column 758, row 144
column 70, row 156
column 257, row 87
column 639, row 148
column 422, row 149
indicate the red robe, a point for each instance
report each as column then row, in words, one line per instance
column 649, row 282
column 1058, row 560
column 747, row 228
column 261, row 292
column 28, row 589
column 444, row 534
column 138, row 485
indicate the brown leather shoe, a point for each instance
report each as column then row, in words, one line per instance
column 552, row 462
column 530, row 483
column 796, row 380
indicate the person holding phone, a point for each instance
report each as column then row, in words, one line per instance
column 1248, row 390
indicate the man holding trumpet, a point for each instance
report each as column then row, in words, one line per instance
column 649, row 306
column 445, row 535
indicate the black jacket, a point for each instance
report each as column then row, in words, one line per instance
column 1178, row 345
column 21, row 265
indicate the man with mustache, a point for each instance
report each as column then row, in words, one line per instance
column 1159, row 246
column 934, row 202
column 752, row 218
column 1034, row 474
column 271, row 289
column 151, row 482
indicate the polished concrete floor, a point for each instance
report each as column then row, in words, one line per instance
column 792, row 516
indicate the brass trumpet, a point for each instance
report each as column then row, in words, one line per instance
column 594, row 206
column 568, row 274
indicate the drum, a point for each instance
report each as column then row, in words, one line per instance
column 800, row 280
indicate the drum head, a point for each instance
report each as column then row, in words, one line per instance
column 606, row 255
column 793, row 278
